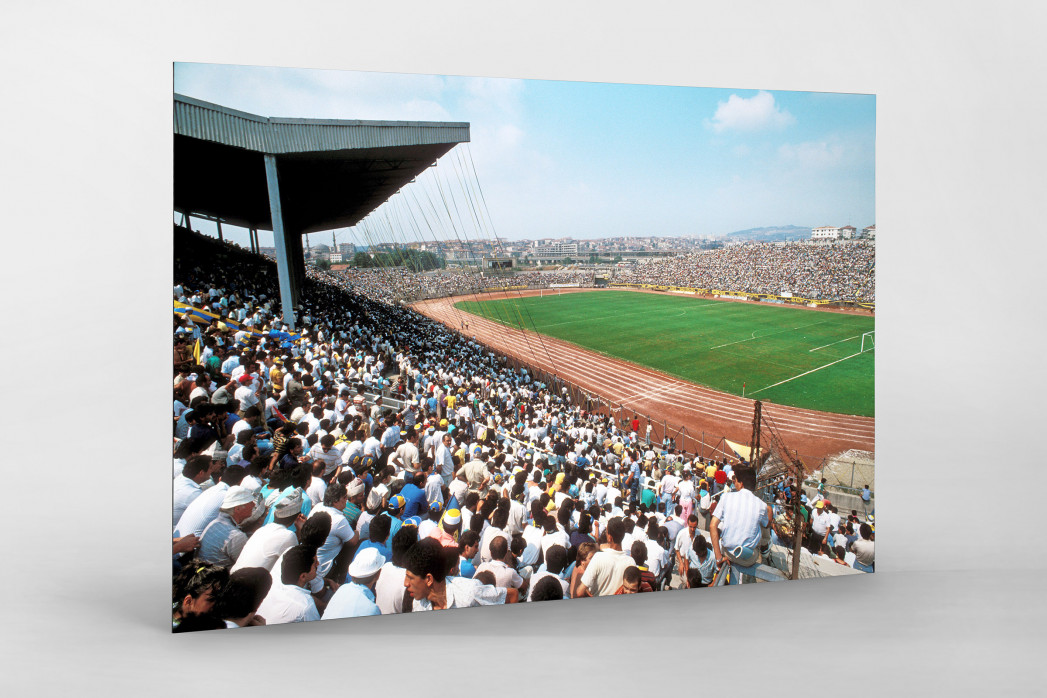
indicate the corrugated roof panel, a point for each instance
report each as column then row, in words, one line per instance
column 218, row 124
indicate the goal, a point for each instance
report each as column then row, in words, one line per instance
column 868, row 341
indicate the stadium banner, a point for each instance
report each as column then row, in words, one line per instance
column 565, row 285
column 496, row 289
column 742, row 452
column 785, row 298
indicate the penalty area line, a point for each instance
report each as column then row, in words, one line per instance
column 804, row 374
column 771, row 334
column 831, row 343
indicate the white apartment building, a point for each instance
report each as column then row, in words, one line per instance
column 826, row 232
column 557, row 249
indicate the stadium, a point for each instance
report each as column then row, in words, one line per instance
column 330, row 423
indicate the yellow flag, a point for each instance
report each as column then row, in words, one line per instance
column 196, row 352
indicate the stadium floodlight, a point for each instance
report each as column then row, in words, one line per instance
column 868, row 341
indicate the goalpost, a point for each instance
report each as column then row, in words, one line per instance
column 868, row 341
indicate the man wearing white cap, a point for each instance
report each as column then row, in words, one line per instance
column 222, row 540
column 356, row 598
column 269, row 542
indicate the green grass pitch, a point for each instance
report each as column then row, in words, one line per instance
column 790, row 356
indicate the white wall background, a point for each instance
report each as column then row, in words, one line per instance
column 86, row 175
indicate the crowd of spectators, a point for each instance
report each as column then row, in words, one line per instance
column 393, row 284
column 842, row 271
column 297, row 496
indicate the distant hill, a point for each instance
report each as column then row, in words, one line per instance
column 773, row 234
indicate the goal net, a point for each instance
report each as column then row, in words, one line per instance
column 868, row 341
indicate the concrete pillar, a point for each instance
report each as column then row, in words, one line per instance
column 219, row 224
column 280, row 238
column 296, row 257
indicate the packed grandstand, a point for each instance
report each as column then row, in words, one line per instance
column 376, row 461
column 842, row 271
column 838, row 272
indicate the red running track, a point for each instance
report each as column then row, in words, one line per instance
column 812, row 434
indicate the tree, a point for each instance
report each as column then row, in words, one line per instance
column 617, row 259
column 362, row 260
column 567, row 260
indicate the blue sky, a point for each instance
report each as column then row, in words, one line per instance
column 586, row 160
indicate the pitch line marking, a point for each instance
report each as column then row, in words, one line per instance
column 806, row 372
column 830, row 344
column 767, row 335
column 803, row 422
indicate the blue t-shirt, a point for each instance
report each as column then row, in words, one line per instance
column 232, row 419
column 417, row 504
column 380, row 547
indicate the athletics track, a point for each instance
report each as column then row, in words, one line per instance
column 700, row 410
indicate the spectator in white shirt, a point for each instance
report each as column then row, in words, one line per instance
column 187, row 485
column 272, row 540
column 204, row 509
column 426, row 578
column 290, row 601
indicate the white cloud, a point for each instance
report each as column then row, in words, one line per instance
column 493, row 95
column 757, row 113
column 508, row 135
column 813, row 155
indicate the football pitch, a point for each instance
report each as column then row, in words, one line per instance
column 789, row 356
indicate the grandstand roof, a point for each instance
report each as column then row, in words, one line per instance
column 332, row 172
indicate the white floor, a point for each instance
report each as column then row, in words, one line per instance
column 887, row 633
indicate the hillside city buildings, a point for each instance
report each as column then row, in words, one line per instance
column 559, row 250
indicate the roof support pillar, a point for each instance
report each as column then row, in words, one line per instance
column 281, row 239
column 297, row 258
column 218, row 222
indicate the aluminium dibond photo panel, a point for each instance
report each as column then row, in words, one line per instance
column 443, row 342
